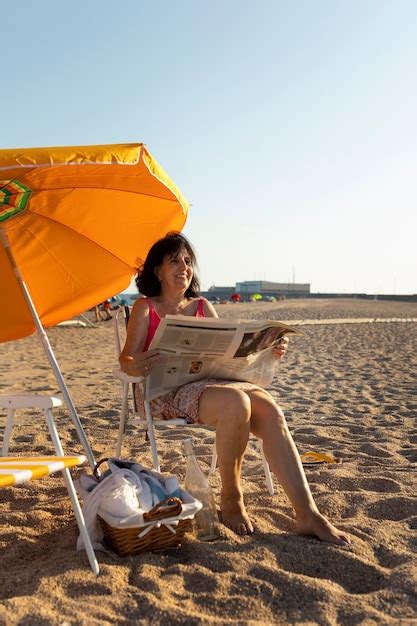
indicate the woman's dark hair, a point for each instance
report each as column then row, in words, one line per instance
column 146, row 280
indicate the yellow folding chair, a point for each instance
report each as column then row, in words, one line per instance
column 16, row 470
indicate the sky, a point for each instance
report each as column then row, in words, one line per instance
column 289, row 126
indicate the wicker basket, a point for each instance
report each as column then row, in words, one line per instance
column 127, row 541
column 158, row 531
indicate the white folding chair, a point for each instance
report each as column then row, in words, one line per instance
column 128, row 383
column 15, row 470
column 149, row 424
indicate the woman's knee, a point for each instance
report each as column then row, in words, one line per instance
column 235, row 404
column 224, row 404
column 270, row 418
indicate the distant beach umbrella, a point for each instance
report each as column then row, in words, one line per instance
column 75, row 222
column 255, row 296
column 235, row 297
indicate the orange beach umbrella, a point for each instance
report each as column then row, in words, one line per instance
column 79, row 220
column 75, row 222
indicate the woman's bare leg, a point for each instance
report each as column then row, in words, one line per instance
column 268, row 424
column 229, row 410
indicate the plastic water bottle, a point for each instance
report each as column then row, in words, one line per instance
column 206, row 522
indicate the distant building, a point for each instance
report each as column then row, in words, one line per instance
column 264, row 287
column 267, row 288
column 223, row 293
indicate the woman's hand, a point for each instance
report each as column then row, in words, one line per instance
column 141, row 364
column 280, row 348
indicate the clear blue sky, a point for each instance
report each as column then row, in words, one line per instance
column 289, row 126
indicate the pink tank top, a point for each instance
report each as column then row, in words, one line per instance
column 154, row 320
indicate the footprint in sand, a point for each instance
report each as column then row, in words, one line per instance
column 372, row 450
column 390, row 559
column 200, row 581
column 358, row 430
column 381, row 485
column 394, row 509
column 409, row 453
column 351, row 574
column 75, row 590
column 146, row 578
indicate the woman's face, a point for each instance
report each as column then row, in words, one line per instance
column 176, row 271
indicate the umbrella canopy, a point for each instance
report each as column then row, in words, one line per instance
column 235, row 297
column 255, row 296
column 79, row 221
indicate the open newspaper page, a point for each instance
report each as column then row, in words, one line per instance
column 193, row 348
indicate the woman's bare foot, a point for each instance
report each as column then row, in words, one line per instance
column 233, row 515
column 316, row 524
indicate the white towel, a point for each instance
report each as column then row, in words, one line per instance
column 108, row 494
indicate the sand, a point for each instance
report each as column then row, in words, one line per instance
column 349, row 389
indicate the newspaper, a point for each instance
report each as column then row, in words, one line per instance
column 193, row 348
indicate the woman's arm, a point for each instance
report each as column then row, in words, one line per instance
column 133, row 360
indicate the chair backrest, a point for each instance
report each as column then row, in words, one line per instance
column 122, row 312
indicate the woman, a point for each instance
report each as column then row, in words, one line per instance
column 169, row 281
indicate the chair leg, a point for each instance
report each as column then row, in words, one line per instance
column 151, row 435
column 267, row 471
column 265, row 464
column 80, row 521
column 7, row 431
column 72, row 494
column 123, row 414
column 53, row 432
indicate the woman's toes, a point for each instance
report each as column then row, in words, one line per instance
column 344, row 539
column 321, row 528
column 234, row 516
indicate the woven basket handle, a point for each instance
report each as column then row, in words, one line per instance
column 171, row 507
column 97, row 465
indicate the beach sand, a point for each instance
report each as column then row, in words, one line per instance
column 349, row 389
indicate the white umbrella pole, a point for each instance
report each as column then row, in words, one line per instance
column 49, row 352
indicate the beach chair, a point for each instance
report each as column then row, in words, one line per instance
column 17, row 470
column 128, row 406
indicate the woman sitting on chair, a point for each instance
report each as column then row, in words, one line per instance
column 169, row 281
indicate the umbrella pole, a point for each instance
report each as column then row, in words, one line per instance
column 49, row 352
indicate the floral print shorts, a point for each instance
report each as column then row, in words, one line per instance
column 183, row 402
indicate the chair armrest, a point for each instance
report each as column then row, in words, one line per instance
column 125, row 378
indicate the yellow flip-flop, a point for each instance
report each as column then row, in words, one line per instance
column 315, row 458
